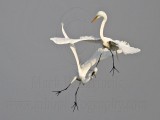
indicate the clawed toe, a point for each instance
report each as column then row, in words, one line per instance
column 57, row 92
column 75, row 106
column 113, row 69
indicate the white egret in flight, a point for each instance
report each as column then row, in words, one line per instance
column 113, row 45
column 116, row 46
column 83, row 69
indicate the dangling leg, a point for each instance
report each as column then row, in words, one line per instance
column 99, row 59
column 58, row 92
column 75, row 102
column 113, row 68
column 117, row 55
column 94, row 71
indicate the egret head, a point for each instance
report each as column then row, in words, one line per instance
column 99, row 15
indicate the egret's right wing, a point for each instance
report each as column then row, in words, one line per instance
column 126, row 48
column 94, row 59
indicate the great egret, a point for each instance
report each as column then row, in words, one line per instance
column 83, row 69
column 113, row 45
column 116, row 46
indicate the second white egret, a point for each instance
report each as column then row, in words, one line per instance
column 85, row 68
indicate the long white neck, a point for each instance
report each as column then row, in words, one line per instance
column 102, row 28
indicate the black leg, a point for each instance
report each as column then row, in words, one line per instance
column 58, row 92
column 99, row 59
column 113, row 68
column 93, row 72
column 117, row 55
column 75, row 102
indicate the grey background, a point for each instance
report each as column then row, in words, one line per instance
column 31, row 65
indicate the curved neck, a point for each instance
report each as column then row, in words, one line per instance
column 73, row 48
column 102, row 27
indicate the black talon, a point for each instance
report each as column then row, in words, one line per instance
column 75, row 106
column 57, row 92
column 75, row 102
column 114, row 68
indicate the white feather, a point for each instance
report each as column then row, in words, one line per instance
column 126, row 48
column 82, row 68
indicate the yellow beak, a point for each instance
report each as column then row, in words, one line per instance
column 94, row 19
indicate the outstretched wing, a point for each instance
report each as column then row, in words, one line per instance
column 73, row 48
column 59, row 40
column 94, row 59
column 126, row 48
column 68, row 40
column 63, row 31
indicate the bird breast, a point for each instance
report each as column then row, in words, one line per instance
column 106, row 45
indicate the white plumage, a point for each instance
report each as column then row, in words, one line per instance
column 58, row 40
column 122, row 46
column 84, row 68
column 85, row 74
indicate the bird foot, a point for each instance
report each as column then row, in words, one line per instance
column 57, row 92
column 75, row 106
column 113, row 69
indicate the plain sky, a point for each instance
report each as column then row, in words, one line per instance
column 31, row 66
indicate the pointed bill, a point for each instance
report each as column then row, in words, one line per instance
column 94, row 19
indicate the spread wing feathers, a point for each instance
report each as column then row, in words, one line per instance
column 94, row 59
column 126, row 48
column 68, row 40
column 59, row 40
column 73, row 48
